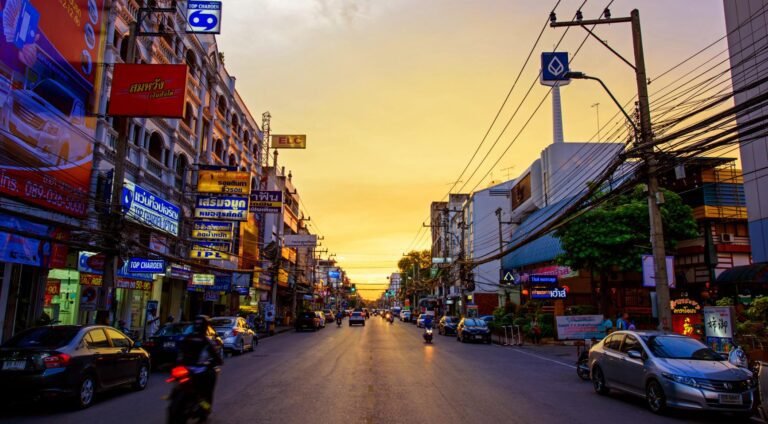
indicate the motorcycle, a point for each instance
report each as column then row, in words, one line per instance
column 390, row 318
column 428, row 335
column 186, row 402
column 582, row 365
column 338, row 322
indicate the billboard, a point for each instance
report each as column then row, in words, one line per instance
column 649, row 271
column 266, row 201
column 300, row 240
column 139, row 205
column 218, row 250
column 213, row 230
column 294, row 141
column 233, row 208
column 148, row 90
column 49, row 77
column 203, row 17
column 226, row 182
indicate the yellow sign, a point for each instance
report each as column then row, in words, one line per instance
column 230, row 182
column 295, row 141
column 210, row 250
column 203, row 279
column 208, row 254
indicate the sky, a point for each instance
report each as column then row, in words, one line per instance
column 396, row 95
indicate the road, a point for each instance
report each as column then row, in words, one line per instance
column 382, row 373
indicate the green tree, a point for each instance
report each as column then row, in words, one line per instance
column 415, row 263
column 614, row 236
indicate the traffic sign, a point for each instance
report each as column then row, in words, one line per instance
column 203, row 17
column 508, row 277
column 554, row 66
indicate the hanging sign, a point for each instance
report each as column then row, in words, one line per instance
column 203, row 279
column 266, row 201
column 213, row 230
column 232, row 208
column 225, row 182
column 203, row 17
column 210, row 250
column 152, row 266
column 294, row 141
column 139, row 205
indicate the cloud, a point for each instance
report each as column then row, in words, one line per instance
column 343, row 11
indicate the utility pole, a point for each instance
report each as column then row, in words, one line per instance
column 501, row 249
column 655, row 197
column 443, row 277
column 597, row 111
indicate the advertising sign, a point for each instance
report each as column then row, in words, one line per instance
column 89, row 295
column 87, row 279
column 148, row 90
column 203, row 279
column 580, row 327
column 554, row 66
column 131, row 284
column 300, row 240
column 542, row 279
column 232, row 208
column 153, row 266
column 203, row 17
column 49, row 80
column 718, row 328
column 210, row 250
column 649, row 273
column 213, row 230
column 294, row 141
column 226, row 182
column 181, row 271
column 266, row 201
column 548, row 293
column 93, row 263
column 15, row 248
column 139, row 205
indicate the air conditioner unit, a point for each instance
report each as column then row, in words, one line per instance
column 726, row 237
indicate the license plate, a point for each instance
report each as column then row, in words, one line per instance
column 478, row 337
column 169, row 345
column 730, row 398
column 14, row 365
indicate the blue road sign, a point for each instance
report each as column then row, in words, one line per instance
column 554, row 66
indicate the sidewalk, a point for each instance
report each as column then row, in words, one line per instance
column 279, row 329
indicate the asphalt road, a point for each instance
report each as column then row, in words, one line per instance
column 382, row 373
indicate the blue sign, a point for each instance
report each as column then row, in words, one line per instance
column 542, row 279
column 93, row 263
column 203, row 17
column 145, row 208
column 155, row 266
column 233, row 208
column 554, row 66
column 547, row 293
column 334, row 274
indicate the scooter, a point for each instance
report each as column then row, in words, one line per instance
column 186, row 402
column 428, row 335
column 338, row 322
column 390, row 318
column 582, row 365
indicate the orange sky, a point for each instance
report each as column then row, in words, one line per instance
column 395, row 95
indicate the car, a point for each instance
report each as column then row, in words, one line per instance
column 235, row 334
column 356, row 318
column 473, row 329
column 487, row 318
column 163, row 347
column 447, row 325
column 405, row 316
column 321, row 318
column 70, row 361
column 329, row 315
column 670, row 371
column 307, row 320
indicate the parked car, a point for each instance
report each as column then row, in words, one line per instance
column 70, row 361
column 405, row 316
column 356, row 318
column 163, row 347
column 487, row 318
column 472, row 329
column 307, row 320
column 670, row 370
column 235, row 334
column 329, row 315
column 447, row 325
column 321, row 318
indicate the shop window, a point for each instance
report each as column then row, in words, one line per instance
column 118, row 340
column 96, row 339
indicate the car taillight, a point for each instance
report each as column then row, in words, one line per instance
column 56, row 360
column 149, row 343
column 180, row 374
column 234, row 332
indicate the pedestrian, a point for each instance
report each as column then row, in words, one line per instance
column 608, row 326
column 622, row 322
column 535, row 331
column 632, row 326
column 152, row 324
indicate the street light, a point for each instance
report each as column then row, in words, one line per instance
column 582, row 75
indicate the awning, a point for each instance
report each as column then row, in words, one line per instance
column 755, row 273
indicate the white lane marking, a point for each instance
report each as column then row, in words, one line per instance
column 544, row 358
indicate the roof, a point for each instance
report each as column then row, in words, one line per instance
column 754, row 273
column 543, row 249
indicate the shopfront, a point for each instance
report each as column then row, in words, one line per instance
column 61, row 301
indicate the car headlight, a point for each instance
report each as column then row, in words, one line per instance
column 682, row 379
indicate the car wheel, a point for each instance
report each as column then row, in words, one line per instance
column 655, row 397
column 240, row 348
column 86, row 392
column 142, row 378
column 598, row 381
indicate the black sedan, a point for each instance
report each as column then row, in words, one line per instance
column 473, row 329
column 163, row 347
column 70, row 361
column 447, row 325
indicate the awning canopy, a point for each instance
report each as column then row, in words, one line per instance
column 755, row 274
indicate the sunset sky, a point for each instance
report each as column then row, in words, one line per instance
column 396, row 95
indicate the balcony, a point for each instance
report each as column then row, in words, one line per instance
column 154, row 167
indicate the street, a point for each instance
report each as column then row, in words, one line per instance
column 382, row 373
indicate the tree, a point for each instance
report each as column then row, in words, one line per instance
column 614, row 236
column 416, row 263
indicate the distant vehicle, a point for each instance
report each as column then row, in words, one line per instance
column 235, row 334
column 321, row 317
column 307, row 320
column 329, row 315
column 447, row 325
column 671, row 371
column 420, row 320
column 426, row 305
column 487, row 318
column 405, row 316
column 473, row 329
column 396, row 311
column 356, row 318
column 163, row 347
column 70, row 361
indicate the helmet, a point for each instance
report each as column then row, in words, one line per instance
column 201, row 324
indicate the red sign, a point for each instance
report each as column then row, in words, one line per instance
column 90, row 279
column 148, row 90
column 686, row 324
column 53, row 287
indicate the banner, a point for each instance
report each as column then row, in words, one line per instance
column 294, row 141
column 233, row 208
column 266, row 201
column 51, row 58
column 93, row 263
column 139, row 205
column 580, row 327
column 25, row 250
column 226, row 182
column 148, row 90
column 213, row 230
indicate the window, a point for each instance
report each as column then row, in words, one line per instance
column 96, row 339
column 613, row 342
column 118, row 339
column 43, row 337
column 631, row 343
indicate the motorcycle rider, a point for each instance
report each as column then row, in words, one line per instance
column 339, row 317
column 199, row 351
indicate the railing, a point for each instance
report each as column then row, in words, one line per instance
column 154, row 167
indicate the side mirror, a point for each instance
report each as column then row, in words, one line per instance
column 634, row 354
column 136, row 345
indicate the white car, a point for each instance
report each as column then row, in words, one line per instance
column 321, row 316
column 235, row 334
column 356, row 318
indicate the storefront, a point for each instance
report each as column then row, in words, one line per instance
column 61, row 301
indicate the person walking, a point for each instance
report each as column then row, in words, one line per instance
column 535, row 331
column 622, row 322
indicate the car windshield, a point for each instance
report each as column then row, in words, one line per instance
column 474, row 323
column 674, row 347
column 44, row 337
column 222, row 322
column 450, row 320
column 174, row 330
column 356, row 314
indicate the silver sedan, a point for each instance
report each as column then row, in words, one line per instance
column 670, row 370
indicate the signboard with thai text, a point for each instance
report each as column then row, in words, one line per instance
column 225, row 182
column 213, row 230
column 580, row 327
column 210, row 250
column 148, row 90
column 266, row 201
column 300, row 240
column 231, row 208
column 140, row 205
